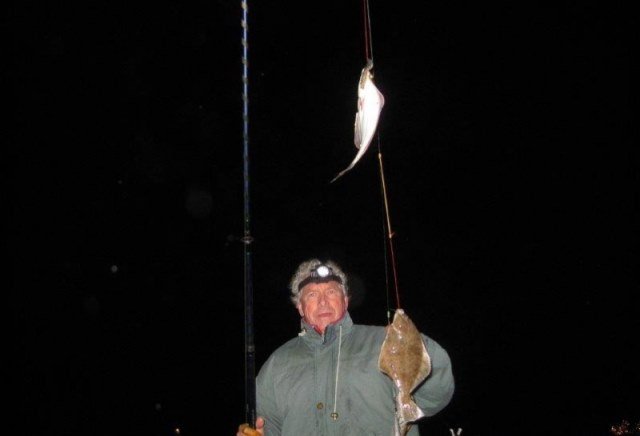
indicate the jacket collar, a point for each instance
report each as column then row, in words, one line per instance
column 309, row 334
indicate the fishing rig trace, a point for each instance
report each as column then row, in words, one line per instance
column 389, row 245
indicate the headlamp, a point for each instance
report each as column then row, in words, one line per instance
column 320, row 274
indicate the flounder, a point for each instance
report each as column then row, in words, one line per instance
column 370, row 103
column 404, row 358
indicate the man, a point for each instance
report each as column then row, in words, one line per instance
column 326, row 381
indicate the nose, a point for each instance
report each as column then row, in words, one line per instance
column 322, row 299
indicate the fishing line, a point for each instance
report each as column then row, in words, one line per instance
column 368, row 45
column 390, row 232
column 384, row 251
column 388, row 241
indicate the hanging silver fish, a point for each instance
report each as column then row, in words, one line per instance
column 404, row 358
column 370, row 102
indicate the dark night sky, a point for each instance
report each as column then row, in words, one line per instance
column 513, row 189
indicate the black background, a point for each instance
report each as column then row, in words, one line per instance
column 512, row 187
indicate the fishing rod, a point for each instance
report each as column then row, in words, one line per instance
column 247, row 239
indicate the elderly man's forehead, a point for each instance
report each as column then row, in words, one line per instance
column 322, row 285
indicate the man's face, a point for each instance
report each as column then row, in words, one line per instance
column 322, row 304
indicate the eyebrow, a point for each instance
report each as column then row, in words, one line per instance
column 331, row 288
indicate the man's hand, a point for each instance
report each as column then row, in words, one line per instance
column 246, row 430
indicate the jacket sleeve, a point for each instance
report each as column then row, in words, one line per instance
column 266, row 401
column 437, row 390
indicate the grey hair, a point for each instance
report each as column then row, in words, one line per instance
column 304, row 270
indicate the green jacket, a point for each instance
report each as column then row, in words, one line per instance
column 296, row 385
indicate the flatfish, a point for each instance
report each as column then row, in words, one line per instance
column 404, row 358
column 370, row 103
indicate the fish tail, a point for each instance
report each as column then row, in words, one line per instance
column 337, row 177
column 408, row 411
column 341, row 173
column 397, row 431
column 400, row 429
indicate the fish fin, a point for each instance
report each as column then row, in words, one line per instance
column 357, row 130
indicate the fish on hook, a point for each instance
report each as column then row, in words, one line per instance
column 370, row 102
column 404, row 358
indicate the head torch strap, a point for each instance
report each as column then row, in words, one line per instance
column 320, row 274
